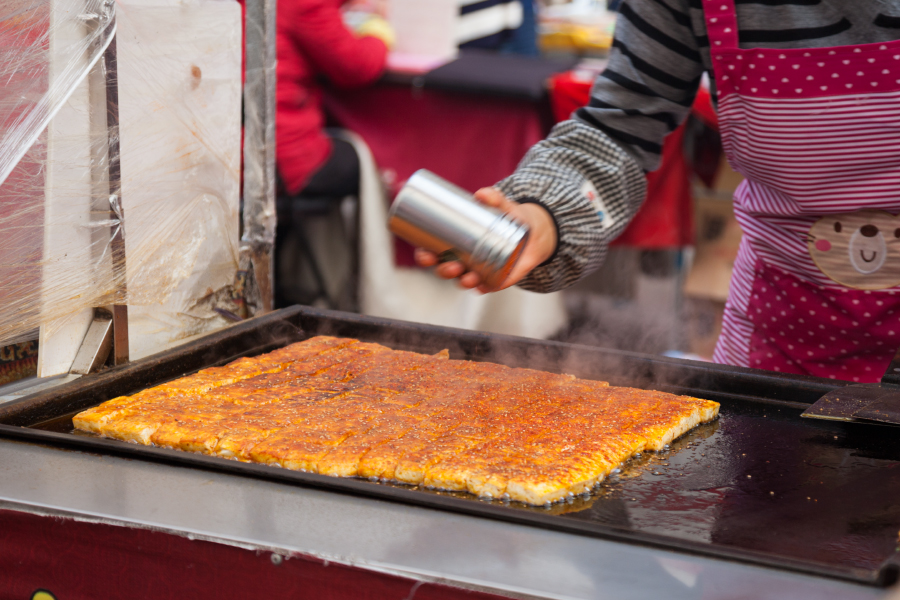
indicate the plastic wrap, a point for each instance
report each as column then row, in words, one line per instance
column 160, row 168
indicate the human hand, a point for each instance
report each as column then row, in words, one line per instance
column 540, row 245
column 378, row 27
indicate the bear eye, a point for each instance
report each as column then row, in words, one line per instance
column 837, row 226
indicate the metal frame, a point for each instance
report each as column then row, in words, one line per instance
column 109, row 65
column 259, row 219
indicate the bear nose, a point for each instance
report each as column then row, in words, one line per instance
column 868, row 230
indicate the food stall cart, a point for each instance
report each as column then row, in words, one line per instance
column 758, row 503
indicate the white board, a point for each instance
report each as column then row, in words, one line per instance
column 425, row 27
column 179, row 110
column 67, row 203
column 179, row 85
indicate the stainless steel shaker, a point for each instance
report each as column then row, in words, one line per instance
column 434, row 214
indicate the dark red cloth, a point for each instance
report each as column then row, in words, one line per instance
column 666, row 218
column 86, row 561
column 313, row 42
column 469, row 139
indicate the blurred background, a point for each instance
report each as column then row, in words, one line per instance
column 367, row 93
column 464, row 88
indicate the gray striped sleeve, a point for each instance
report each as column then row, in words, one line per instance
column 659, row 54
column 651, row 80
column 590, row 185
column 589, row 173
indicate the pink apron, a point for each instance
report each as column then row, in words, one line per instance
column 816, row 134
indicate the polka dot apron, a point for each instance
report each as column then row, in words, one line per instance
column 816, row 134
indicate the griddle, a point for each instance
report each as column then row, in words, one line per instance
column 759, row 485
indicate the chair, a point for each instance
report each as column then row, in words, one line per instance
column 296, row 248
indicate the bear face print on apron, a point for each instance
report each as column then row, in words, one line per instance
column 816, row 134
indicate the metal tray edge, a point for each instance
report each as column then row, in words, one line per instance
column 886, row 575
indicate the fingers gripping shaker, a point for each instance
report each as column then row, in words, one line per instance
column 434, row 214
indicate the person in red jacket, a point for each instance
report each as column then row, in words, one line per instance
column 313, row 42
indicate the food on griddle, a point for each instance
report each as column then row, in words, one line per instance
column 346, row 408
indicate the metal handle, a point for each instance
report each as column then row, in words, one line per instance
column 892, row 375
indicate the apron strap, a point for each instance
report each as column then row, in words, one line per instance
column 721, row 25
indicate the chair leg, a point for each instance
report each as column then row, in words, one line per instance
column 279, row 293
column 350, row 210
column 307, row 250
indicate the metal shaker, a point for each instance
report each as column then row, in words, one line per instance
column 434, row 214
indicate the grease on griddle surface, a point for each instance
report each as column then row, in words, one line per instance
column 759, row 479
column 765, row 480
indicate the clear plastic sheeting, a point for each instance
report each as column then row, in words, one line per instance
column 35, row 85
column 159, row 168
column 32, row 95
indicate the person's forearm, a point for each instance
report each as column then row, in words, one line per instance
column 590, row 171
column 590, row 185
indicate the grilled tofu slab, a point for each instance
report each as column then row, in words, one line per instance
column 345, row 408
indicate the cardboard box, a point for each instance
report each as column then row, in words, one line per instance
column 703, row 321
column 718, row 239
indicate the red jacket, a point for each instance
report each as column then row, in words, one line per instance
column 313, row 42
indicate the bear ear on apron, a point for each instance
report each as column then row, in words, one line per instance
column 816, row 134
column 860, row 250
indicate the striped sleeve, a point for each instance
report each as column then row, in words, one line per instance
column 650, row 82
column 590, row 185
column 589, row 173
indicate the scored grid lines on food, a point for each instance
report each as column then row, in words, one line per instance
column 346, row 408
column 206, row 380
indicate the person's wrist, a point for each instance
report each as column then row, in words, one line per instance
column 379, row 28
column 542, row 230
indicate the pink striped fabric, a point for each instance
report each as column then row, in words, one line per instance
column 815, row 132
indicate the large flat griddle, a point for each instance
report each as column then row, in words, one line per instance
column 760, row 485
